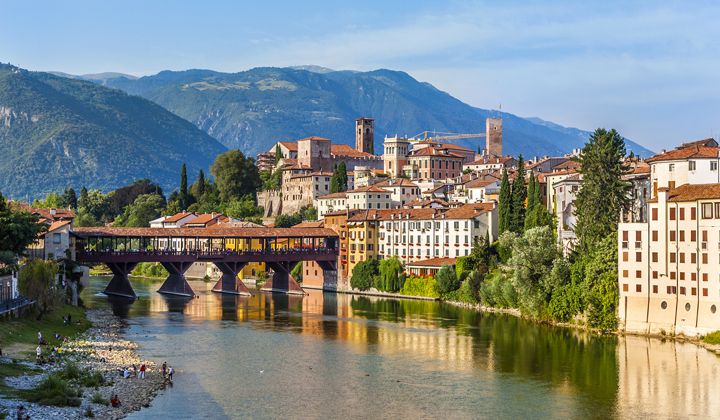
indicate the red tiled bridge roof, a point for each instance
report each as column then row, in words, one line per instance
column 230, row 232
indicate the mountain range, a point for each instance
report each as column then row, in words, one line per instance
column 253, row 109
column 58, row 132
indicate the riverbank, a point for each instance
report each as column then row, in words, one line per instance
column 102, row 348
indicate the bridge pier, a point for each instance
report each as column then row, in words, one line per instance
column 330, row 274
column 229, row 282
column 176, row 284
column 120, row 284
column 282, row 281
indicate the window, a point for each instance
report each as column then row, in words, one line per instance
column 693, row 291
column 704, row 235
column 638, row 274
column 717, row 210
column 693, row 276
column 693, row 258
column 638, row 256
column 682, row 290
column 672, row 213
column 625, row 256
column 625, row 273
column 672, row 257
column 693, row 236
column 682, row 258
column 705, row 277
column 682, row 213
column 654, row 235
column 654, row 257
column 638, row 236
column 682, row 236
column 682, row 275
column 672, row 275
column 638, row 288
column 705, row 291
column 672, row 236
column 693, row 213
column 655, row 213
column 671, row 167
column 625, row 236
column 713, row 166
column 625, row 287
column 707, row 210
column 705, row 258
column 56, row 238
column 691, row 165
column 655, row 288
column 655, row 274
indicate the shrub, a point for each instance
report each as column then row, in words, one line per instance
column 297, row 272
column 54, row 390
column 462, row 294
column 565, row 303
column 712, row 338
column 447, row 280
column 420, row 286
column 363, row 274
column 389, row 278
column 97, row 398
column 93, row 380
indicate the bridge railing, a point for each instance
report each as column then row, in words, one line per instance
column 206, row 253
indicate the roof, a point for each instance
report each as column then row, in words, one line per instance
column 290, row 145
column 341, row 194
column 547, row 164
column 310, row 224
column 469, row 210
column 432, row 262
column 205, row 218
column 238, row 224
column 708, row 142
column 571, row 178
column 693, row 192
column 398, row 182
column 435, row 151
column 390, row 214
column 218, row 232
column 369, row 188
column 347, row 151
column 488, row 160
column 480, row 183
column 427, row 202
column 57, row 225
column 314, row 138
column 48, row 214
column 693, row 151
column 177, row 217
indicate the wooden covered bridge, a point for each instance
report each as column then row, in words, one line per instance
column 230, row 249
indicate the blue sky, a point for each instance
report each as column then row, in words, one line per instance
column 649, row 69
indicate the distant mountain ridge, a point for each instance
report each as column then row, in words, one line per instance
column 251, row 110
column 57, row 132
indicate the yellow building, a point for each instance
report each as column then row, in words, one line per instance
column 362, row 237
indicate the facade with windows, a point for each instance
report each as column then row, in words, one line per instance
column 371, row 197
column 669, row 267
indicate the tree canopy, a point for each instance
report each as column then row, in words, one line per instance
column 235, row 175
column 18, row 229
column 505, row 203
column 518, row 196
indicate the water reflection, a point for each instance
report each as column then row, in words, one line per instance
column 476, row 363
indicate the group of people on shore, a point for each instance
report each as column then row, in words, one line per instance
column 167, row 371
column 54, row 353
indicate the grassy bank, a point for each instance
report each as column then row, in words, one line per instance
column 18, row 337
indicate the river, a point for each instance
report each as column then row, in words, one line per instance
column 331, row 355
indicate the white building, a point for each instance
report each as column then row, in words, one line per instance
column 371, row 197
column 476, row 190
column 331, row 203
column 402, row 191
column 564, row 195
column 669, row 266
column 418, row 234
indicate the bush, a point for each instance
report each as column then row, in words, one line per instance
column 498, row 291
column 297, row 272
column 565, row 303
column 54, row 390
column 363, row 274
column 389, row 277
column 447, row 280
column 712, row 338
column 97, row 398
column 93, row 380
column 462, row 265
column 420, row 286
column 462, row 294
column 150, row 269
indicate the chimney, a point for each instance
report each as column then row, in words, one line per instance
column 53, row 212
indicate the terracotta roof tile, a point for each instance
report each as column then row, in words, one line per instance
column 175, row 217
column 469, row 210
column 694, row 192
column 693, row 151
column 251, row 232
column 432, row 262
column 333, row 195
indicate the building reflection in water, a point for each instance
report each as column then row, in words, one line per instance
column 614, row 376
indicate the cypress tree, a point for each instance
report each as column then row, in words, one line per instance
column 201, row 184
column 183, row 187
column 342, row 174
column 83, row 201
column 505, row 204
column 531, row 191
column 278, row 154
column 518, row 196
column 603, row 193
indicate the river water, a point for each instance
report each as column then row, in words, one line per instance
column 342, row 356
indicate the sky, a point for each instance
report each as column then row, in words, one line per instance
column 646, row 68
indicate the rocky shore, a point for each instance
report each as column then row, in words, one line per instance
column 101, row 348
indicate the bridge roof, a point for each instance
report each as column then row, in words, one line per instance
column 214, row 232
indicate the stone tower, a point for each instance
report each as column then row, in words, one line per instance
column 395, row 155
column 314, row 153
column 364, row 135
column 493, row 137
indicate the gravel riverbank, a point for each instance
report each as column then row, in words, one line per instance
column 101, row 348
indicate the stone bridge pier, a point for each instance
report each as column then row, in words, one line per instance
column 282, row 281
column 176, row 284
column 229, row 282
column 120, row 284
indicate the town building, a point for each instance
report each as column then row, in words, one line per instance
column 493, row 137
column 434, row 163
column 564, row 207
column 402, row 191
column 487, row 163
column 313, row 276
column 331, row 203
column 371, row 197
column 395, row 153
column 365, row 135
column 668, row 263
column 429, row 267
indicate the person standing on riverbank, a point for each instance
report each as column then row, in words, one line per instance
column 164, row 369
column 142, row 371
column 171, row 371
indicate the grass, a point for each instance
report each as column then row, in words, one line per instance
column 91, row 379
column 8, row 370
column 53, row 390
column 712, row 338
column 19, row 336
column 97, row 398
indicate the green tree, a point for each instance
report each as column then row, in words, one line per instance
column 18, row 229
column 96, row 204
column 278, row 154
column 37, row 282
column 603, row 193
column 447, row 280
column 363, row 274
column 288, row 220
column 310, row 213
column 244, row 208
column 600, row 283
column 69, row 199
column 184, row 201
column 83, row 218
column 339, row 180
column 199, row 185
column 532, row 199
column 390, row 275
column 538, row 216
column 518, row 196
column 82, row 201
column 139, row 214
column 505, row 203
column 51, row 201
column 235, row 175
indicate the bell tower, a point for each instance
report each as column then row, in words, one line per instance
column 364, row 135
